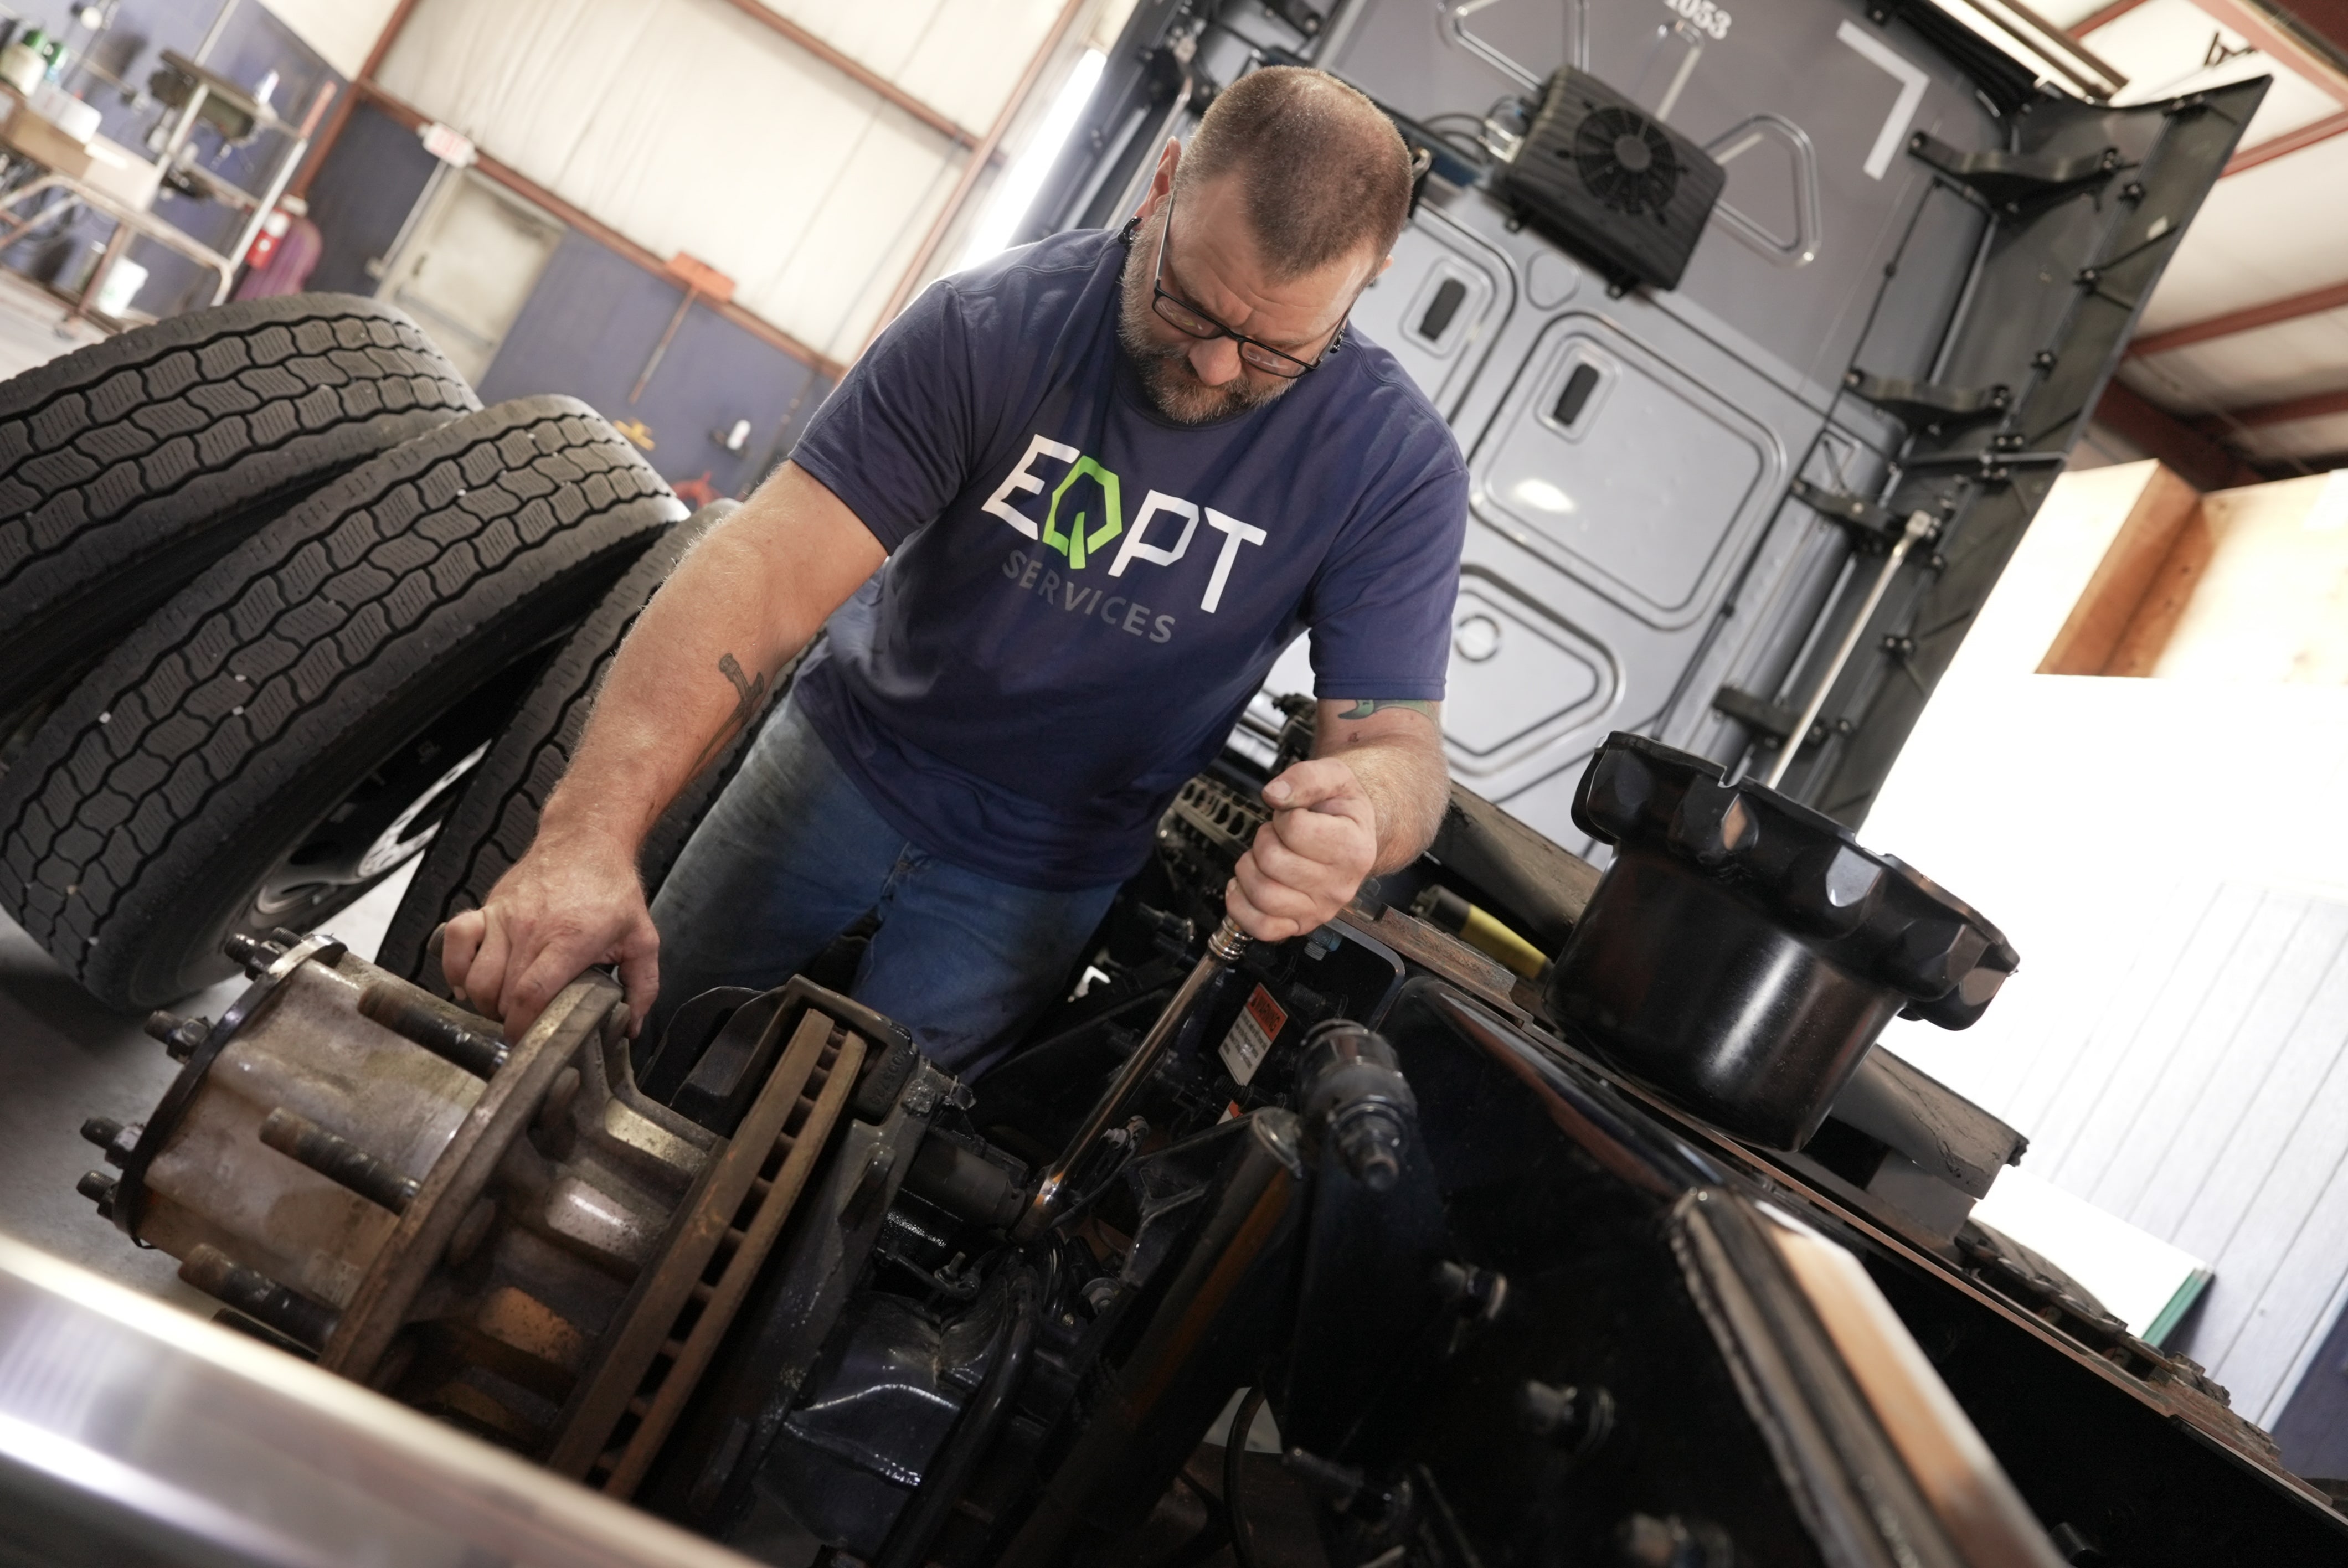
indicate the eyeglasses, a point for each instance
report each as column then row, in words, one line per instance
column 1188, row 319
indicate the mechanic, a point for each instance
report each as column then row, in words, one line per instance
column 1096, row 486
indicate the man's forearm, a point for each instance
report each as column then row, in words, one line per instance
column 693, row 671
column 702, row 660
column 1395, row 750
column 1409, row 786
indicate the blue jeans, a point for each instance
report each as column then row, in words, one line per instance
column 791, row 853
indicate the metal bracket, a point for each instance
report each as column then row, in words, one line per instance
column 1927, row 403
column 2007, row 179
column 1777, row 722
column 1920, row 525
column 1864, row 520
column 1774, row 720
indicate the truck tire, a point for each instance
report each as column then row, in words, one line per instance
column 128, row 466
column 288, row 727
column 494, row 822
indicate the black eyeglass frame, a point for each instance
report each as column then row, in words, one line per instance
column 1160, row 299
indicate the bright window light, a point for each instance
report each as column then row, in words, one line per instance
column 1017, row 191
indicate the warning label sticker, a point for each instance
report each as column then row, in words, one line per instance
column 1252, row 1035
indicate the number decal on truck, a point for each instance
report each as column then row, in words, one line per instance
column 1702, row 15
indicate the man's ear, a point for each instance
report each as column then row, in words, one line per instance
column 1161, row 183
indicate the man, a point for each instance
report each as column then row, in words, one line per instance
column 1103, row 481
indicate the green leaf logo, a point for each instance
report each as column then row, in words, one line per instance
column 1075, row 544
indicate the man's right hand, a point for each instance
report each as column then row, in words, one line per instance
column 566, row 906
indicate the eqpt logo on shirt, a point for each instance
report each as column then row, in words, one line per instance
column 1075, row 530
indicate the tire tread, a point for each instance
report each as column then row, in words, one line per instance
column 165, row 441
column 164, row 738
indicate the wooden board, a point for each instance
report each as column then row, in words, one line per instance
column 2137, row 557
column 2254, row 588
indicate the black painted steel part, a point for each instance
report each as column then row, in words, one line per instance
column 1742, row 952
column 293, row 719
column 2058, row 289
column 128, row 466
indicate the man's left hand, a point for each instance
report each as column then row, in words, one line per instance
column 1309, row 860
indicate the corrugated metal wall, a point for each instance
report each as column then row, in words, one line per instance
column 687, row 125
column 2166, row 855
column 2190, row 1075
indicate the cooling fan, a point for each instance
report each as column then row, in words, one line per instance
column 1610, row 181
column 1626, row 161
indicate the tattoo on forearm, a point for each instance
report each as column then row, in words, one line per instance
column 1365, row 706
column 750, row 691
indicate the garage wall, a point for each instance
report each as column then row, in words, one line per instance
column 711, row 375
column 2164, row 854
column 686, row 125
column 588, row 327
column 361, row 195
column 343, row 31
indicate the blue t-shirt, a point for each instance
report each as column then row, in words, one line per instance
column 1082, row 594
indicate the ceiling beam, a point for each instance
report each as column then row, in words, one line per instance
column 2103, row 17
column 2248, row 319
column 855, row 70
column 2324, row 22
column 782, row 27
column 2280, row 42
column 2288, row 142
column 2200, row 461
column 2315, row 406
column 2327, row 19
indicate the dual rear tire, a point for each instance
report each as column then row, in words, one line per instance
column 299, row 720
column 128, row 466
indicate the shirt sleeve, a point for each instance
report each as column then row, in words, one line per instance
column 1380, row 612
column 894, row 441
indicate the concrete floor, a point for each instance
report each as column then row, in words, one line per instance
column 64, row 1059
column 34, row 328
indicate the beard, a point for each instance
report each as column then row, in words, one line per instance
column 1165, row 368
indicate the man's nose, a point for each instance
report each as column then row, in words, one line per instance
column 1216, row 362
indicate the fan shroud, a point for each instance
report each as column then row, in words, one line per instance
column 1625, row 161
column 1604, row 177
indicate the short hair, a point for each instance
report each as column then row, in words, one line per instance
column 1322, row 170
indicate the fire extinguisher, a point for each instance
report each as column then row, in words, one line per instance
column 272, row 230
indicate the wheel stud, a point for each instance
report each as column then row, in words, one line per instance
column 253, row 953
column 98, row 1188
column 181, row 1036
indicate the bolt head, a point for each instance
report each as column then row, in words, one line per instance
column 1573, row 1418
column 98, row 1188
